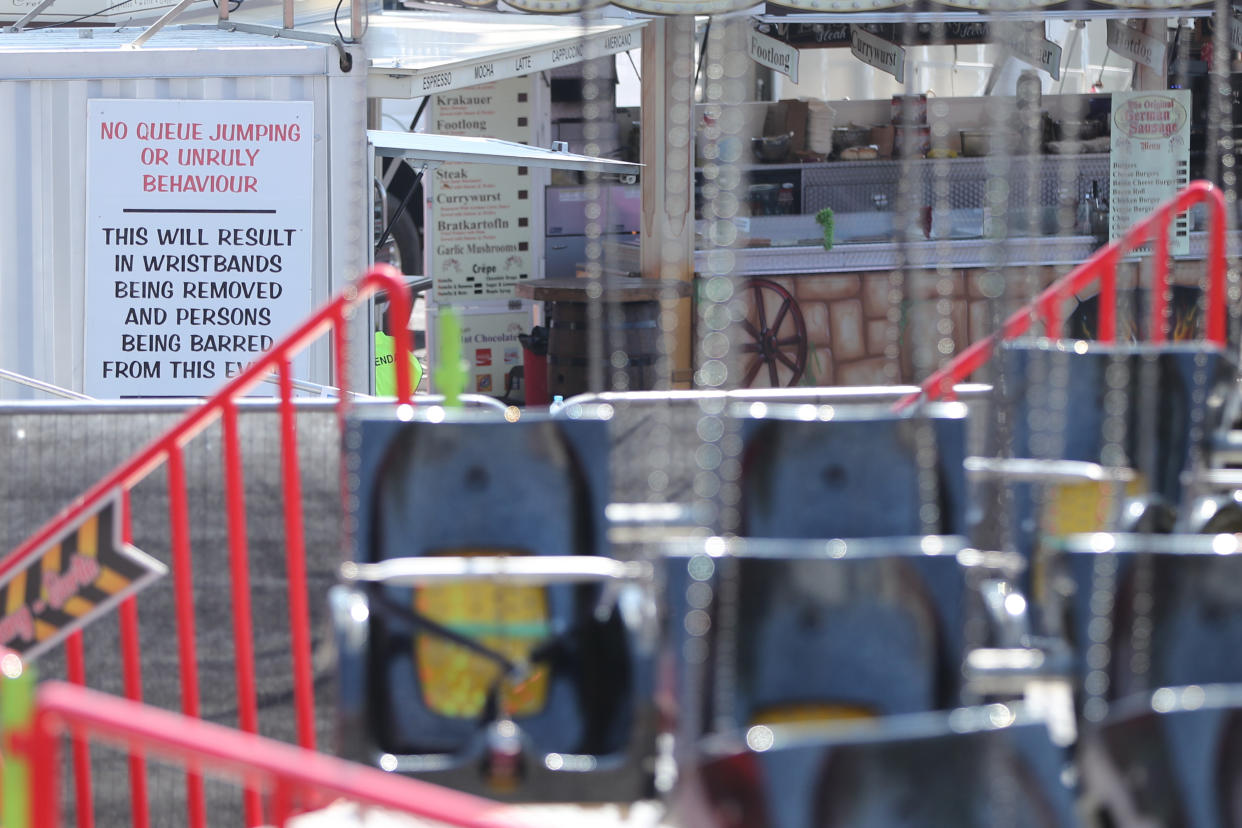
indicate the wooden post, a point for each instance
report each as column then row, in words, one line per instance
column 668, row 179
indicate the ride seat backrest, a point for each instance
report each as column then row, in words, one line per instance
column 855, row 477
column 976, row 779
column 1176, row 619
column 1178, row 766
column 816, row 639
column 535, row 487
column 1053, row 401
column 904, row 772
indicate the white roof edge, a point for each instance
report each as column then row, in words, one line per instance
column 398, row 75
column 436, row 149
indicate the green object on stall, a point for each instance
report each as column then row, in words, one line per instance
column 16, row 718
column 825, row 219
column 451, row 370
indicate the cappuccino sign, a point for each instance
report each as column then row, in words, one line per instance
column 772, row 53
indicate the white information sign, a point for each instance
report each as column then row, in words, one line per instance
column 1136, row 45
column 774, row 54
column 198, row 240
column 1150, row 159
column 480, row 214
column 878, row 52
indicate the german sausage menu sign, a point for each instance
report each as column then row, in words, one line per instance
column 198, row 249
column 1149, row 159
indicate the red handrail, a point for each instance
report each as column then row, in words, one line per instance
column 167, row 448
column 294, row 777
column 1102, row 266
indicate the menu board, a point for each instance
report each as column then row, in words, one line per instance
column 198, row 240
column 480, row 214
column 1150, row 159
column 490, row 347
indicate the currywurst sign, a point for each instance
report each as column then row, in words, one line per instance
column 198, row 251
column 877, row 52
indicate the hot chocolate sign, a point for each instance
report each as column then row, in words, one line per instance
column 198, row 240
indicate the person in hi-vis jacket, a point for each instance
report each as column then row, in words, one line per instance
column 385, row 368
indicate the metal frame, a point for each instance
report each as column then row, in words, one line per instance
column 294, row 778
column 168, row 448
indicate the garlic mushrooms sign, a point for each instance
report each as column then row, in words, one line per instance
column 198, row 248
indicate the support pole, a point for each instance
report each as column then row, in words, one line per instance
column 668, row 180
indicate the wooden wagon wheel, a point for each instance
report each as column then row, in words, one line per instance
column 782, row 341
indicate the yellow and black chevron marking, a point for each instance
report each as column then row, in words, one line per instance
column 70, row 582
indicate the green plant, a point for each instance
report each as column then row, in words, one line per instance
column 824, row 219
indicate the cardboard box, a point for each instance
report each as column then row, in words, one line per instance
column 785, row 117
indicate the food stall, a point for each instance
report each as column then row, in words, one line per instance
column 865, row 226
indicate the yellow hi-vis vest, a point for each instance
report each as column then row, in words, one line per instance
column 386, row 371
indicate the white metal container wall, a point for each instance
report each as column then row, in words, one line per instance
column 43, row 185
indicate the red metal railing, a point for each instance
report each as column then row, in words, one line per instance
column 1048, row 307
column 293, row 779
column 169, row 448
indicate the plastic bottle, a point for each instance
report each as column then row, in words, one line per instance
column 558, row 402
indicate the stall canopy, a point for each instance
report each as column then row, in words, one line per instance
column 453, row 149
column 416, row 54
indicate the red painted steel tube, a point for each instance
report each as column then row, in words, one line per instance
column 1107, row 306
column 1217, row 225
column 295, row 563
column 380, row 277
column 44, row 770
column 280, row 803
column 239, row 570
column 75, row 669
column 1160, row 282
column 132, row 676
column 187, row 647
column 399, row 321
column 131, row 672
column 250, row 758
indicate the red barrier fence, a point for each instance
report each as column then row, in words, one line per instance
column 1048, row 307
column 293, row 780
column 168, row 448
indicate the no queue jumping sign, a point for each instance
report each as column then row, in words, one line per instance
column 198, row 240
